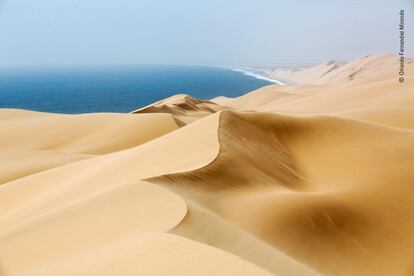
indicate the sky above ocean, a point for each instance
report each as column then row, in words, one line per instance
column 198, row 32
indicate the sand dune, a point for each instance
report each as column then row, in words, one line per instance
column 97, row 219
column 85, row 133
column 338, row 72
column 17, row 164
column 33, row 196
column 256, row 98
column 297, row 186
column 183, row 108
column 31, row 142
column 397, row 117
column 153, row 254
column 52, row 190
column 384, row 94
column 307, row 179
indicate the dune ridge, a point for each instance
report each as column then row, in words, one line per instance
column 31, row 142
column 338, row 72
column 248, row 187
column 308, row 179
column 184, row 108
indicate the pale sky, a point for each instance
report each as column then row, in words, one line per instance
column 204, row 32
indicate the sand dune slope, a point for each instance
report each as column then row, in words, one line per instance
column 86, row 133
column 333, row 72
column 256, row 98
column 183, row 108
column 50, row 204
column 384, row 102
column 298, row 184
column 17, row 164
column 375, row 95
column 153, row 254
column 95, row 220
column 397, row 117
column 33, row 196
column 296, row 180
column 31, row 142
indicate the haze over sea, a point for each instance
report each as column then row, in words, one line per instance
column 116, row 88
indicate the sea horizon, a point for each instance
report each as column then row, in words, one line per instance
column 73, row 89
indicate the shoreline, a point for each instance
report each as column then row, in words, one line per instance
column 263, row 170
column 118, row 89
column 255, row 74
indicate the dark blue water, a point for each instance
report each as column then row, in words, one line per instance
column 115, row 88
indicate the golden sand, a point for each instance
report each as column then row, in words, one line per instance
column 315, row 178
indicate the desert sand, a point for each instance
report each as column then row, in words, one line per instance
column 308, row 179
column 334, row 72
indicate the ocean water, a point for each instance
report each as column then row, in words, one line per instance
column 116, row 88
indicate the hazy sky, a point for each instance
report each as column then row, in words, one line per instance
column 225, row 32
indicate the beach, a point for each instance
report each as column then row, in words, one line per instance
column 310, row 178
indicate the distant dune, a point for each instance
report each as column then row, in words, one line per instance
column 309, row 179
column 183, row 108
column 368, row 68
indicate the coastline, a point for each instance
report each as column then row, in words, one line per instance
column 229, row 185
column 117, row 88
column 256, row 73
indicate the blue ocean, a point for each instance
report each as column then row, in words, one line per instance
column 116, row 88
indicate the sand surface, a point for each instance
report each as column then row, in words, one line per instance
column 378, row 67
column 310, row 179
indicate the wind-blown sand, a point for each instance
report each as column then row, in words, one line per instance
column 286, row 180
